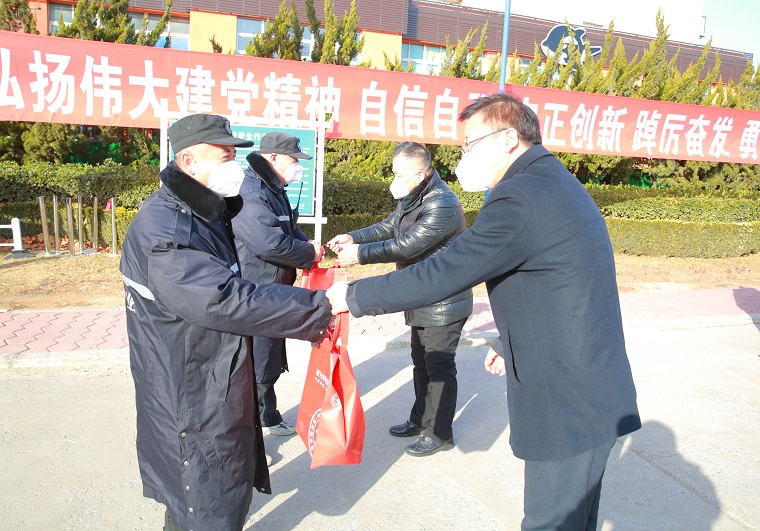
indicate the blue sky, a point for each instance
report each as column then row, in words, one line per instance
column 734, row 24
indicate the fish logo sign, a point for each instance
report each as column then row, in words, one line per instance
column 561, row 34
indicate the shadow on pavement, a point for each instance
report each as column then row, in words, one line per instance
column 656, row 444
column 334, row 490
column 748, row 299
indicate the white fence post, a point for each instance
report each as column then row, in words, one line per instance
column 18, row 246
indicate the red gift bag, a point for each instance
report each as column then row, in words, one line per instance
column 322, row 277
column 330, row 417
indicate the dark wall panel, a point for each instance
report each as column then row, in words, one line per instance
column 432, row 22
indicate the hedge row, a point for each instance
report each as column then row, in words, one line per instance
column 683, row 238
column 699, row 209
column 640, row 237
column 130, row 184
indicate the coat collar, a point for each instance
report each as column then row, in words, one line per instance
column 263, row 169
column 420, row 190
column 526, row 159
column 205, row 203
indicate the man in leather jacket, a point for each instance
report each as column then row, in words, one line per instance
column 427, row 219
column 271, row 247
column 199, row 442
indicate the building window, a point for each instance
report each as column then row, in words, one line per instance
column 177, row 28
column 525, row 63
column 307, row 43
column 426, row 59
column 358, row 59
column 247, row 29
column 55, row 12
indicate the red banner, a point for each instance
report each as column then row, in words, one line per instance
column 50, row 79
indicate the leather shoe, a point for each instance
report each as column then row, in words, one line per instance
column 428, row 446
column 407, row 429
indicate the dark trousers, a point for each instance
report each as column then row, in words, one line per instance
column 435, row 378
column 268, row 404
column 564, row 495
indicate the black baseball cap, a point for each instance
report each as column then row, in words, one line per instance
column 282, row 144
column 203, row 129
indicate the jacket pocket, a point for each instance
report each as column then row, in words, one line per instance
column 210, row 452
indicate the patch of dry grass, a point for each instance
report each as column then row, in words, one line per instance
column 94, row 281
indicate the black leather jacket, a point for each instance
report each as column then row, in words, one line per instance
column 424, row 222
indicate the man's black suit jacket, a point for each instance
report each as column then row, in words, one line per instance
column 541, row 246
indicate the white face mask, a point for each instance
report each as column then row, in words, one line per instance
column 293, row 173
column 226, row 179
column 397, row 189
column 474, row 173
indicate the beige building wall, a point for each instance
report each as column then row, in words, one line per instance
column 40, row 12
column 205, row 25
column 377, row 43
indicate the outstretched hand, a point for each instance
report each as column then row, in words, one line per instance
column 336, row 243
column 495, row 363
column 336, row 294
column 348, row 254
column 319, row 251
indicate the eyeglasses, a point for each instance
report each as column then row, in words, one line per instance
column 467, row 146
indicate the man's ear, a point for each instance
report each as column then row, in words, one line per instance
column 185, row 159
column 511, row 140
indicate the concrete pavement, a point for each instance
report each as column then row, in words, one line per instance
column 67, row 428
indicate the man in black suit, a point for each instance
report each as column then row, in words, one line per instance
column 542, row 248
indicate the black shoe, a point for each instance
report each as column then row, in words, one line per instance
column 428, row 446
column 407, row 429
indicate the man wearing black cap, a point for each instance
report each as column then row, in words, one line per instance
column 199, row 441
column 271, row 246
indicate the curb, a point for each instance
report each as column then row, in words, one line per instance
column 37, row 360
column 690, row 323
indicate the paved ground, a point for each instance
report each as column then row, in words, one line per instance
column 67, row 429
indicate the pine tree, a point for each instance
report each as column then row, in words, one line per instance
column 654, row 66
column 315, row 26
column 330, row 36
column 593, row 76
column 396, row 65
column 56, row 143
column 112, row 22
column 80, row 143
column 348, row 44
column 460, row 61
column 15, row 15
column 281, row 38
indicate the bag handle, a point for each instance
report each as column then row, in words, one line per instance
column 338, row 330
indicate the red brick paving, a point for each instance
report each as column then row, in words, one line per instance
column 71, row 331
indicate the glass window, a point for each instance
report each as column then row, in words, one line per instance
column 247, row 29
column 307, row 44
column 55, row 11
column 416, row 51
column 425, row 59
column 177, row 28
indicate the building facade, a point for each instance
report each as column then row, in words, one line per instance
column 415, row 31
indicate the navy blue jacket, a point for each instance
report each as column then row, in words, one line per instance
column 270, row 246
column 199, row 442
column 541, row 246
